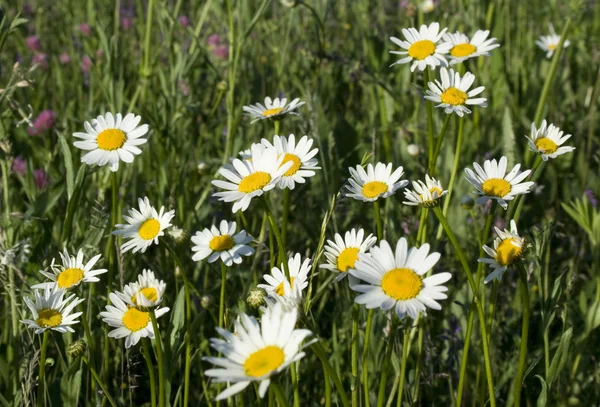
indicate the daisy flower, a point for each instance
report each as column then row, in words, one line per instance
column 395, row 280
column 290, row 291
column 377, row 182
column 547, row 141
column 247, row 153
column 111, row 139
column 250, row 178
column 222, row 243
column 508, row 248
column 453, row 93
column 463, row 48
column 147, row 291
column 255, row 352
column 144, row 226
column 426, row 194
column 343, row 253
column 52, row 311
column 72, row 271
column 492, row 182
column 422, row 47
column 272, row 109
column 131, row 322
column 548, row 43
column 300, row 155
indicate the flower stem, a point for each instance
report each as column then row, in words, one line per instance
column 378, row 221
column 222, row 298
column 365, row 363
column 146, row 352
column 284, row 217
column 353, row 383
column 296, row 390
column 100, row 383
column 429, row 104
column 514, row 212
column 277, row 125
column 438, row 145
column 41, row 392
column 403, row 366
column 159, row 358
column 277, row 234
column 146, row 61
column 524, row 333
column 90, row 343
column 386, row 362
column 281, row 399
column 320, row 352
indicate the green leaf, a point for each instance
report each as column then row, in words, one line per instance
column 64, row 146
column 508, row 136
column 177, row 317
column 70, row 384
column 543, row 397
column 560, row 357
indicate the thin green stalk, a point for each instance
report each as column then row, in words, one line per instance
column 320, row 352
column 354, row 381
column 438, row 145
column 524, row 333
column 229, row 99
column 535, row 173
column 422, row 231
column 159, row 358
column 276, row 389
column 378, row 221
column 430, row 130
column 277, row 234
column 365, row 360
column 492, row 309
column 386, row 362
column 296, row 390
column 146, row 352
column 284, row 218
column 277, row 125
column 420, row 339
column 464, row 361
column 100, row 383
column 90, row 343
column 326, row 378
column 222, row 297
column 403, row 367
column 5, row 189
column 41, row 391
column 146, row 71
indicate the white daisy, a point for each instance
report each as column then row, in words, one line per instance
column 547, row 141
column 250, row 178
column 463, row 48
column 72, row 271
column 453, row 92
column 289, row 291
column 111, row 139
column 343, row 253
column 147, row 291
column 52, row 311
column 272, row 108
column 548, row 43
column 255, row 352
column 222, row 243
column 426, row 194
column 247, row 153
column 377, row 182
column 508, row 248
column 131, row 323
column 396, row 280
column 422, row 47
column 300, row 155
column 492, row 182
column 144, row 226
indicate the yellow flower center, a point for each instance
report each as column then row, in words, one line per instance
column 432, row 191
column 374, row 188
column 279, row 290
column 347, row 258
column 296, row 163
column 272, row 112
column 463, row 50
column 221, row 243
column 552, row 47
column 69, row 277
column 135, row 320
column 254, row 182
column 264, row 361
column 507, row 252
column 49, row 318
column 545, row 145
column 497, row 187
column 149, row 292
column 421, row 49
column 111, row 139
column 149, row 229
column 453, row 96
column 401, row 284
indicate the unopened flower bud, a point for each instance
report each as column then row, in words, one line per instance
column 256, row 298
column 76, row 349
column 206, row 301
column 413, row 149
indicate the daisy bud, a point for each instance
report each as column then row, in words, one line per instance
column 256, row 298
column 413, row 150
column 206, row 301
column 76, row 349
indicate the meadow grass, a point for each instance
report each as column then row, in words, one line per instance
column 188, row 68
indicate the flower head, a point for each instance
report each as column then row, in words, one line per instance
column 374, row 183
column 51, row 310
column 72, row 271
column 508, row 248
column 33, row 43
column 426, row 194
column 222, row 243
column 548, row 141
column 272, row 109
column 422, row 47
column 43, row 122
column 453, row 93
column 464, row 48
column 19, row 166
column 549, row 43
column 342, row 254
column 287, row 291
column 147, row 291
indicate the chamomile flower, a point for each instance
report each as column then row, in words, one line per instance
column 255, row 352
column 300, row 155
column 492, row 182
column 464, row 48
column 374, row 183
column 549, row 43
column 111, row 139
column 131, row 322
column 289, row 291
column 72, row 271
column 453, row 93
column 395, row 280
column 343, row 253
column 146, row 292
column 422, row 47
column 51, row 310
column 144, row 226
column 250, row 178
column 272, row 109
column 548, row 141
column 222, row 243
column 508, row 248
column 426, row 194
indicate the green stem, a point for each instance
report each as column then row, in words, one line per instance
column 146, row 62
column 277, row 125
column 491, row 309
column 327, row 389
column 222, row 298
column 277, row 233
column 378, row 221
column 535, row 173
column 284, row 218
column 320, row 352
column 159, row 358
column 524, row 333
column 100, row 383
column 465, row 359
column 403, row 367
column 296, row 390
column 353, row 383
column 419, row 366
column 365, row 361
column 438, row 145
column 229, row 99
column 41, row 392
column 281, row 399
column 5, row 189
column 90, row 343
column 386, row 363
column 146, row 352
column 429, row 104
